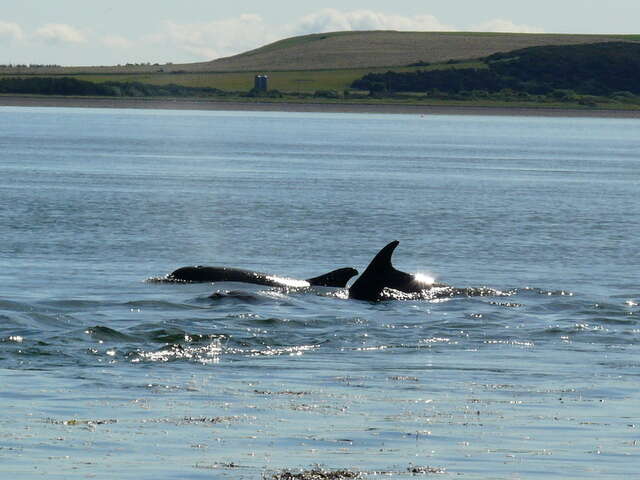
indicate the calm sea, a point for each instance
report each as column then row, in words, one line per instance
column 104, row 374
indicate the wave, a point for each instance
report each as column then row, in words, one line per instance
column 230, row 324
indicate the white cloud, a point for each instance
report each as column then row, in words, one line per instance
column 116, row 42
column 507, row 26
column 10, row 31
column 60, row 33
column 331, row 20
column 209, row 40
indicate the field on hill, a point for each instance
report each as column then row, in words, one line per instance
column 390, row 49
column 294, row 81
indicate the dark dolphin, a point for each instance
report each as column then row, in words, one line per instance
column 381, row 274
column 199, row 273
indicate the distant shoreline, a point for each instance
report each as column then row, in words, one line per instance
column 204, row 104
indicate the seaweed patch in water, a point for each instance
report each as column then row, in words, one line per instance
column 322, row 474
column 416, row 469
column 403, row 378
column 215, row 466
column 211, row 420
column 314, row 474
column 188, row 420
column 284, row 392
column 75, row 421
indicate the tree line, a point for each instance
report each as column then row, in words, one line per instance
column 70, row 86
column 591, row 69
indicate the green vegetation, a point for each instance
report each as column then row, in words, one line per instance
column 576, row 73
column 596, row 69
column 288, row 81
column 302, row 81
column 73, row 86
column 297, row 82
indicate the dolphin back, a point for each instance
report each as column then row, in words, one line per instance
column 197, row 273
column 200, row 273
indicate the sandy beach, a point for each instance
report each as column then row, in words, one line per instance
column 203, row 104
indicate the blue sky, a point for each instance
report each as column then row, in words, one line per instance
column 83, row 32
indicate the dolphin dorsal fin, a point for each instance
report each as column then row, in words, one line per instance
column 370, row 284
column 382, row 261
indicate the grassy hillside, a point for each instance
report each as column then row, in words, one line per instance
column 389, row 49
column 349, row 50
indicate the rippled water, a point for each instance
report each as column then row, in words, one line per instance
column 105, row 374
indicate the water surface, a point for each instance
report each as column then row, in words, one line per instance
column 104, row 374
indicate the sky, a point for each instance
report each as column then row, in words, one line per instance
column 88, row 32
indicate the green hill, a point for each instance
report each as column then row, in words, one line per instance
column 388, row 49
column 350, row 50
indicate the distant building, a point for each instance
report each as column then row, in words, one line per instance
column 261, row 83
